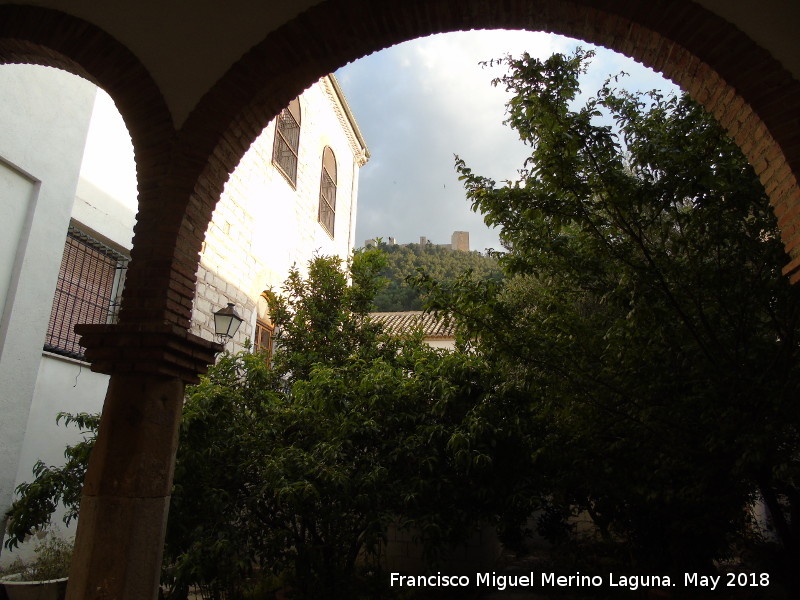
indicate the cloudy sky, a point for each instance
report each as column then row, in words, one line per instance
column 421, row 102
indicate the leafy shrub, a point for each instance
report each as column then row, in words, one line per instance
column 52, row 560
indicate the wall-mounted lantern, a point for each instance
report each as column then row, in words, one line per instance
column 226, row 323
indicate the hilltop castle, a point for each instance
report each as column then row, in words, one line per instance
column 458, row 241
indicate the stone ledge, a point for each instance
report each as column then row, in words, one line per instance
column 161, row 349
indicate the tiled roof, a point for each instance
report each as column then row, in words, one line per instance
column 398, row 323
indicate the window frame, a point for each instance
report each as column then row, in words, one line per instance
column 258, row 346
column 89, row 288
column 326, row 214
column 286, row 146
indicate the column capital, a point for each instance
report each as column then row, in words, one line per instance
column 156, row 348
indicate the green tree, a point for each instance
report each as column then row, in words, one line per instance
column 287, row 466
column 297, row 468
column 351, row 429
column 644, row 321
column 52, row 485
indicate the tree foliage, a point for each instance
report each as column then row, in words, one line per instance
column 644, row 321
column 301, row 466
column 297, row 467
column 52, row 485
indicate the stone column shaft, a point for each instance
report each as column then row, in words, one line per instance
column 123, row 516
column 126, row 493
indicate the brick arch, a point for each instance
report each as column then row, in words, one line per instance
column 181, row 175
column 747, row 90
column 46, row 37
column 41, row 36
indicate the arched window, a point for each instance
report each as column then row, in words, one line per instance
column 287, row 141
column 262, row 340
column 265, row 330
column 327, row 191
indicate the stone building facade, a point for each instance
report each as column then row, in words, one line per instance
column 264, row 224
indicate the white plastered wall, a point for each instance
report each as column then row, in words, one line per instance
column 101, row 200
column 44, row 115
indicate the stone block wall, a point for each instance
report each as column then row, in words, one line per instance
column 460, row 241
column 263, row 225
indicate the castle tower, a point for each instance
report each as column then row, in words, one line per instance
column 460, row 241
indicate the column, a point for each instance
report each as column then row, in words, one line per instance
column 126, row 494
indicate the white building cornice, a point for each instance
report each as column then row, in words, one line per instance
column 347, row 119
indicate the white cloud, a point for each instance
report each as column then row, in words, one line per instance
column 421, row 102
column 108, row 159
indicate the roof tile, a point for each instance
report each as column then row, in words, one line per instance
column 398, row 323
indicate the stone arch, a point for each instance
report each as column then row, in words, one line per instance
column 49, row 38
column 181, row 174
column 754, row 97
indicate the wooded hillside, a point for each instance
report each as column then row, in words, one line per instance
column 441, row 264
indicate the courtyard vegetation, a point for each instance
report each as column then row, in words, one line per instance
column 644, row 327
column 626, row 390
